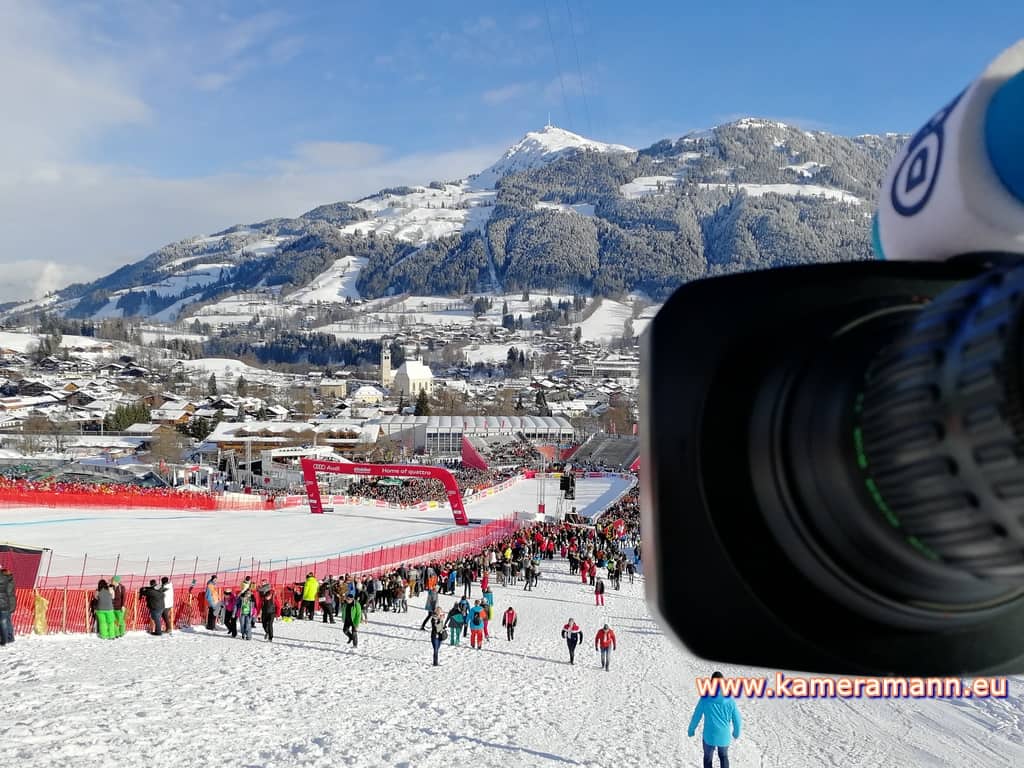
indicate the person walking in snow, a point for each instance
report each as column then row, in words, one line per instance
column 230, row 617
column 721, row 720
column 352, row 616
column 508, row 621
column 488, row 603
column 604, row 641
column 455, row 622
column 476, row 624
column 431, row 606
column 573, row 636
column 245, row 610
column 270, row 609
column 437, row 631
column 599, row 592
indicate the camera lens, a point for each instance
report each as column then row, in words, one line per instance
column 898, row 455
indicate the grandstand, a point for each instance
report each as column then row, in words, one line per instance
column 612, row 452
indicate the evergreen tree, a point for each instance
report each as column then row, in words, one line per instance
column 422, row 404
column 211, row 385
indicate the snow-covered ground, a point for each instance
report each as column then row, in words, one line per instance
column 425, row 213
column 646, row 185
column 223, row 368
column 538, row 148
column 131, row 538
column 795, row 190
column 336, row 284
column 607, row 322
column 26, row 342
column 583, row 209
column 494, row 353
column 198, row 698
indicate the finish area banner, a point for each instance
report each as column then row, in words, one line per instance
column 310, row 467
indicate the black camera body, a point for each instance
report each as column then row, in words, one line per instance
column 814, row 493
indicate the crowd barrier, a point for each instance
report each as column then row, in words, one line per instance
column 177, row 500
column 62, row 604
column 182, row 573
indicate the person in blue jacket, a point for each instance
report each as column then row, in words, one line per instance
column 721, row 724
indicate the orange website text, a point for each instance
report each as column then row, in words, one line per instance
column 783, row 687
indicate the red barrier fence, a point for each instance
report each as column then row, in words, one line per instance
column 181, row 500
column 68, row 606
column 181, row 572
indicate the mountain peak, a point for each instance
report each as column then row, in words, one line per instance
column 539, row 148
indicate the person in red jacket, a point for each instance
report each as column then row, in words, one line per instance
column 508, row 621
column 604, row 642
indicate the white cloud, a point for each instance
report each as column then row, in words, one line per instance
column 99, row 218
column 506, row 93
column 244, row 45
column 66, row 219
column 54, row 103
column 214, row 81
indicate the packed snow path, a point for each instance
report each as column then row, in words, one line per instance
column 197, row 699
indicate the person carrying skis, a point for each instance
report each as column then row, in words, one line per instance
column 604, row 641
column 721, row 719
column 573, row 636
column 508, row 621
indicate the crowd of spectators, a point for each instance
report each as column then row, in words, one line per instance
column 24, row 490
column 411, row 492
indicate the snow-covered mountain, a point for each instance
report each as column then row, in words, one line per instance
column 537, row 149
column 557, row 210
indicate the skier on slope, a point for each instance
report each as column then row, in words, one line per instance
column 573, row 636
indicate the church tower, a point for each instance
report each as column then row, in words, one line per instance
column 385, row 365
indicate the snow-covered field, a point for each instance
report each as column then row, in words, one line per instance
column 131, row 538
column 335, row 284
column 607, row 322
column 646, row 185
column 795, row 190
column 199, row 698
column 494, row 353
column 223, row 368
column 26, row 342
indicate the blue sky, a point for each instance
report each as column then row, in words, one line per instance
column 233, row 83
column 134, row 123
